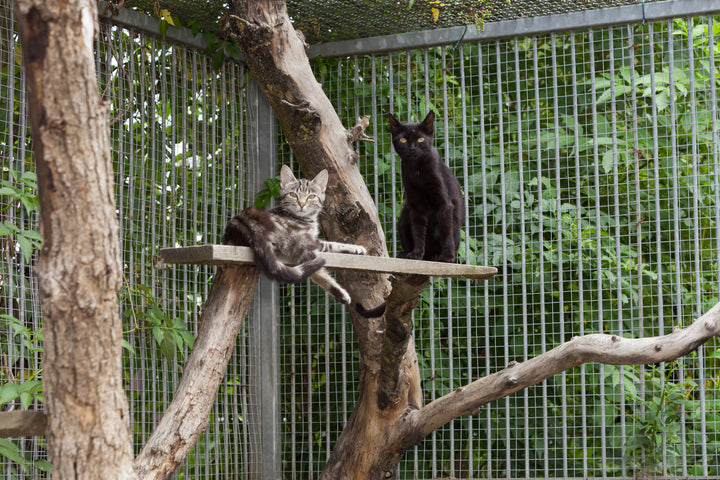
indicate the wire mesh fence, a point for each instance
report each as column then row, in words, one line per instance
column 589, row 162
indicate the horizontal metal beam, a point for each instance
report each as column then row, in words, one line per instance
column 148, row 25
column 521, row 27
column 227, row 255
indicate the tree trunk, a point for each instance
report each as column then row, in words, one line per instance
column 388, row 371
column 79, row 267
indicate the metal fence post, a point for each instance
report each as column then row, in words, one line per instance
column 263, row 327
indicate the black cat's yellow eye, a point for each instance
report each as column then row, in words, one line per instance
column 421, row 139
column 403, row 140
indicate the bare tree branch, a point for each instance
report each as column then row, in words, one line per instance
column 601, row 348
column 187, row 415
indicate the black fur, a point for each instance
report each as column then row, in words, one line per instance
column 434, row 210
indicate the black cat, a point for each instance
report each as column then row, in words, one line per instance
column 434, row 210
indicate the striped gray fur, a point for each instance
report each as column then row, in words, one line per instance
column 289, row 233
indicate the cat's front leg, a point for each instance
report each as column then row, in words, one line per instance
column 418, row 230
column 337, row 247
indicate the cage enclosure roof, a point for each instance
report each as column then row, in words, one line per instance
column 334, row 20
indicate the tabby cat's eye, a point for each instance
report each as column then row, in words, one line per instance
column 293, row 194
column 311, row 196
column 403, row 140
column 421, row 139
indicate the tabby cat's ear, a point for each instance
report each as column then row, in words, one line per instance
column 394, row 124
column 427, row 125
column 286, row 176
column 321, row 179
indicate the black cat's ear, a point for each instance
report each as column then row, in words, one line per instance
column 428, row 125
column 394, row 124
column 286, row 176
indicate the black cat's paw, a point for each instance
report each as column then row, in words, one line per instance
column 443, row 259
column 410, row 255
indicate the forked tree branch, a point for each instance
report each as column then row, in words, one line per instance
column 601, row 348
column 187, row 415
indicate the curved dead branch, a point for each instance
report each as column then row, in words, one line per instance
column 600, row 348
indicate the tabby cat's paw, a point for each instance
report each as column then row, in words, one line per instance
column 361, row 250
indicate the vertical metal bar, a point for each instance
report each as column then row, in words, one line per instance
column 541, row 261
column 486, row 287
column 294, row 369
column 676, row 223
column 523, row 248
column 658, row 216
column 503, row 227
column 574, row 80
column 468, row 292
column 715, row 77
column 263, row 331
column 393, row 174
column 559, row 247
column 696, row 234
column 598, row 245
column 375, row 121
column 618, row 230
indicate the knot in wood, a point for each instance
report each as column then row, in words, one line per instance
column 511, row 381
column 615, row 338
column 511, row 364
column 658, row 347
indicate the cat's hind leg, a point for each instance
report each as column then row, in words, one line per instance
column 328, row 283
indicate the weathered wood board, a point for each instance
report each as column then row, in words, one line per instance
column 229, row 255
column 22, row 423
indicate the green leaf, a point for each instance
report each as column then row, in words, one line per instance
column 9, row 392
column 9, row 191
column 163, row 28
column 168, row 347
column 25, row 247
column 9, row 450
column 43, row 465
column 218, row 60
column 126, row 345
column 26, row 399
column 31, row 386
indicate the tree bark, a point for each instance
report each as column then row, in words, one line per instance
column 79, row 269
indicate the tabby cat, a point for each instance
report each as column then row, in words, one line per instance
column 289, row 233
column 434, row 210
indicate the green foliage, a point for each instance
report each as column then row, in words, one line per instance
column 271, row 190
column 20, row 189
column 146, row 314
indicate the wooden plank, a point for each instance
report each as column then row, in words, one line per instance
column 229, row 255
column 22, row 423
